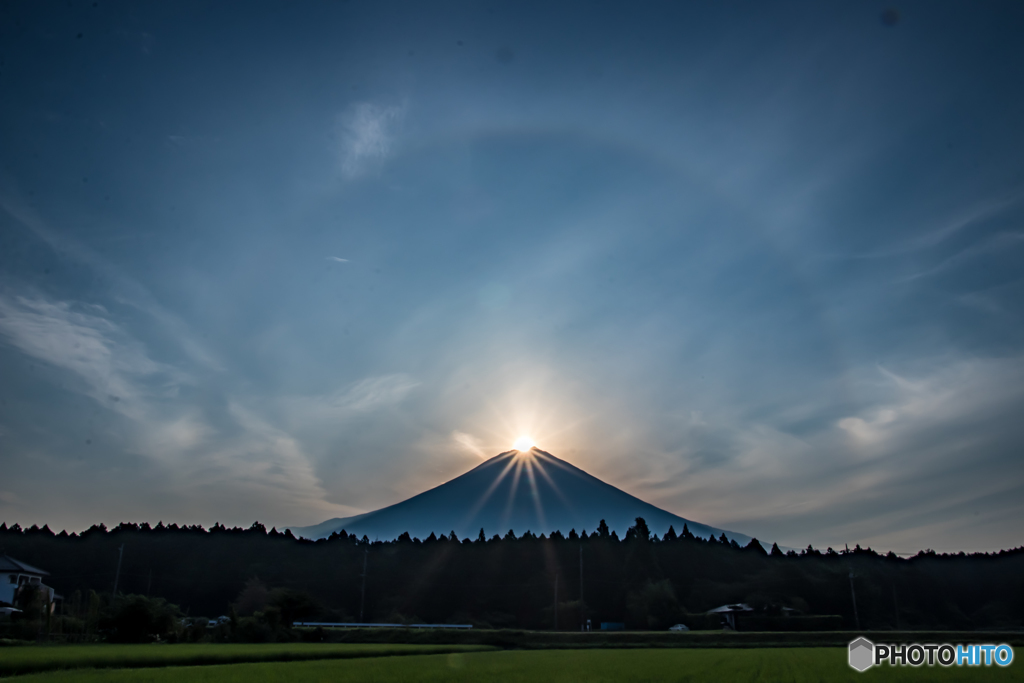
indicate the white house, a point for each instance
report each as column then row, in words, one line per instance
column 14, row 575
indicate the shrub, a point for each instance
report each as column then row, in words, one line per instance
column 138, row 619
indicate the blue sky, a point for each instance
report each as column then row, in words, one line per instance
column 760, row 265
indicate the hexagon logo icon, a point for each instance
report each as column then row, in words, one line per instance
column 862, row 654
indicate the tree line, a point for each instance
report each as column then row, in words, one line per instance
column 504, row 581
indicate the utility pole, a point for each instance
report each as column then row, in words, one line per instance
column 856, row 617
column 896, row 605
column 362, row 597
column 583, row 615
column 149, row 583
column 117, row 576
column 556, row 601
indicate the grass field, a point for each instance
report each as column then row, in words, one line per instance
column 21, row 660
column 795, row 665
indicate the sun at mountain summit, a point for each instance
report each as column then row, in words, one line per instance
column 523, row 444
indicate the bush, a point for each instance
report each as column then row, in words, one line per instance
column 292, row 605
column 138, row 619
column 254, row 630
column 654, row 607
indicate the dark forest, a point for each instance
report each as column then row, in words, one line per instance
column 641, row 580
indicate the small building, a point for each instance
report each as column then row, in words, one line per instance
column 15, row 576
column 730, row 612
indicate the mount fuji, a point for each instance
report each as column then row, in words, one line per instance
column 519, row 491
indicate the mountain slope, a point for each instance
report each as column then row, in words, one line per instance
column 523, row 492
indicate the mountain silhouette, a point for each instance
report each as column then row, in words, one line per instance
column 532, row 491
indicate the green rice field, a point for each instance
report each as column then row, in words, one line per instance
column 29, row 659
column 550, row 666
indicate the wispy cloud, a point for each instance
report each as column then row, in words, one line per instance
column 261, row 463
column 115, row 369
column 367, row 136
column 882, row 474
column 969, row 217
column 374, row 392
column 997, row 243
column 206, row 458
column 361, row 397
column 126, row 290
column 910, row 409
column 339, row 260
column 470, row 443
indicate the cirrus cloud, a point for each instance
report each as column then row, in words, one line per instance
column 367, row 136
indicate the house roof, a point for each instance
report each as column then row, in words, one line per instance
column 9, row 564
column 738, row 607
